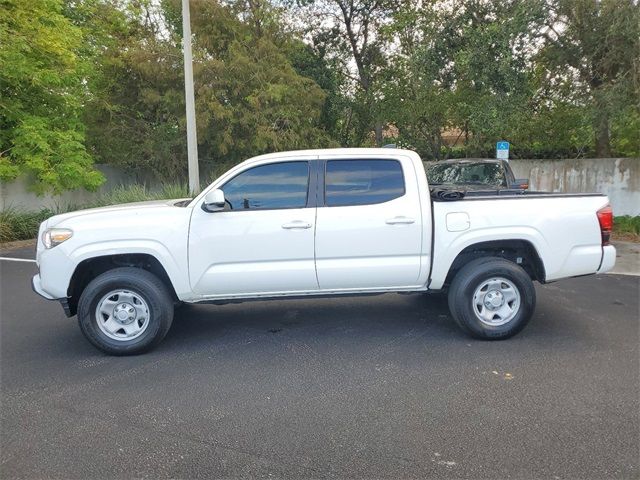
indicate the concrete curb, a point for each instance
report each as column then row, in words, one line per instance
column 627, row 258
column 8, row 246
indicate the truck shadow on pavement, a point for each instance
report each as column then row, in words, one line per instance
column 373, row 319
column 320, row 317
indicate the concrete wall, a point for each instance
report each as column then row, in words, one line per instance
column 17, row 194
column 619, row 178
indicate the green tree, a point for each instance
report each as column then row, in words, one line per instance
column 595, row 46
column 466, row 66
column 249, row 97
column 42, row 90
column 350, row 31
column 312, row 61
column 135, row 114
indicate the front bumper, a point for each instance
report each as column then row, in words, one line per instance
column 36, row 286
column 608, row 259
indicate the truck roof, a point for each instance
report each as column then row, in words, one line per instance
column 387, row 152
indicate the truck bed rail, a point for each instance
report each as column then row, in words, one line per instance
column 439, row 194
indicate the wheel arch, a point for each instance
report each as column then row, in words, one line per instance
column 90, row 268
column 521, row 252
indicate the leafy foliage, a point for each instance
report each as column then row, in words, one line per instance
column 594, row 48
column 102, row 80
column 350, row 33
column 135, row 117
column 41, row 98
column 548, row 75
column 249, row 98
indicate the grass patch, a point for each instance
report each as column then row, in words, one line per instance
column 626, row 227
column 627, row 224
column 16, row 224
column 139, row 193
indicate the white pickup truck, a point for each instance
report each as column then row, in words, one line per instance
column 317, row 222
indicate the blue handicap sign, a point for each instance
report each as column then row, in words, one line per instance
column 502, row 150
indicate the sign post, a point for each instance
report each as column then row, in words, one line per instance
column 502, row 150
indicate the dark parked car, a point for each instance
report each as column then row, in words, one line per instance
column 475, row 173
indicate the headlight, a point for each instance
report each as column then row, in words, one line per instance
column 55, row 236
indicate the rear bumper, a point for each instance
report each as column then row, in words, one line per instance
column 608, row 259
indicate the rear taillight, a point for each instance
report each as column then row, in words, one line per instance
column 605, row 219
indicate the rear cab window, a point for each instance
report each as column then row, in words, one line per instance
column 363, row 182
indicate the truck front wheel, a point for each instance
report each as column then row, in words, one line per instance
column 492, row 298
column 125, row 311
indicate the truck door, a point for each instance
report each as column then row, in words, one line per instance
column 369, row 224
column 262, row 243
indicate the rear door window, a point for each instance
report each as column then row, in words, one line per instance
column 362, row 182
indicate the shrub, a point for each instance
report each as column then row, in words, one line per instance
column 626, row 224
column 16, row 224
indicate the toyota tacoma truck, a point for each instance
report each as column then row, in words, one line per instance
column 317, row 222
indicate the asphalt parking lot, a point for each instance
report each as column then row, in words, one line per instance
column 354, row 387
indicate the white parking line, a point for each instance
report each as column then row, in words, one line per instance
column 9, row 259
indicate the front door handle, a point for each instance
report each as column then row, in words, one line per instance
column 296, row 224
column 400, row 221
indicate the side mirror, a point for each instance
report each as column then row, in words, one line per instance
column 520, row 184
column 213, row 201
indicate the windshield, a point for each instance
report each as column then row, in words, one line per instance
column 467, row 173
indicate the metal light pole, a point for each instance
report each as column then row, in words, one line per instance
column 192, row 141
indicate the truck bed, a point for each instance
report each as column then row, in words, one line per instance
column 562, row 228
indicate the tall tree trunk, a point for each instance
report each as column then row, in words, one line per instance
column 378, row 131
column 436, row 143
column 601, row 118
column 603, row 143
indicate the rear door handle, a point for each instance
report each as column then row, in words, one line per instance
column 399, row 221
column 296, row 224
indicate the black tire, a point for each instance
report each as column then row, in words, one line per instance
column 143, row 284
column 463, row 306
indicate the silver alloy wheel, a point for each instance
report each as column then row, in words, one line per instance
column 122, row 315
column 496, row 301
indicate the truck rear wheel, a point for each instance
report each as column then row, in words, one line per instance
column 125, row 311
column 492, row 298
